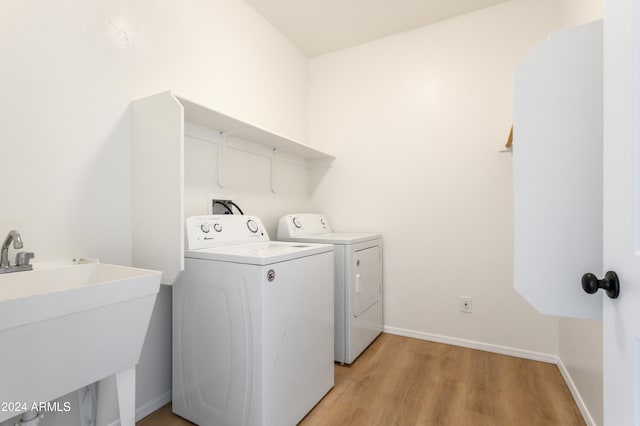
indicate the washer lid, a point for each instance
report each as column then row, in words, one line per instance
column 264, row 253
column 336, row 238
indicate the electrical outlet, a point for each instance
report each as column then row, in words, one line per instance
column 219, row 204
column 465, row 304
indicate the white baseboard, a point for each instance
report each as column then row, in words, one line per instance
column 149, row 407
column 154, row 405
column 576, row 395
column 473, row 344
column 503, row 350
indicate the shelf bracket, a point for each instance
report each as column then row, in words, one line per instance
column 222, row 145
column 273, row 170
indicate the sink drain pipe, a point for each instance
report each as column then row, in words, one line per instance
column 88, row 401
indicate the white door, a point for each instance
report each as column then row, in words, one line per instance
column 621, row 213
column 557, row 171
column 557, row 234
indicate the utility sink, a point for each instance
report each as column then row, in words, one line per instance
column 65, row 325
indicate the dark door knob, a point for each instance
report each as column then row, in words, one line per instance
column 610, row 284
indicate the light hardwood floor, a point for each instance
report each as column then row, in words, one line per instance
column 403, row 381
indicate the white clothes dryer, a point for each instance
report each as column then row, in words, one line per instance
column 357, row 280
column 252, row 325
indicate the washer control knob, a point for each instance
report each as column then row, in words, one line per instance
column 205, row 227
column 217, row 227
column 253, row 227
column 297, row 223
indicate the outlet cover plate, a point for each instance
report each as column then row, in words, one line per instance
column 465, row 304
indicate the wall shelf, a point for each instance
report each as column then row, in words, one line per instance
column 157, row 156
column 229, row 126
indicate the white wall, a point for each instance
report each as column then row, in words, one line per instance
column 69, row 70
column 416, row 121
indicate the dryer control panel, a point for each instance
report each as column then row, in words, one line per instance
column 301, row 224
column 223, row 230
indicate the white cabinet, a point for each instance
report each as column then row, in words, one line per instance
column 158, row 170
column 557, row 154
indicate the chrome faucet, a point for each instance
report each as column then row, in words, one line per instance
column 22, row 258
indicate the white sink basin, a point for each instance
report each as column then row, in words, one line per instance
column 62, row 288
column 66, row 325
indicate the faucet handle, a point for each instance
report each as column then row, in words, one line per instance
column 23, row 257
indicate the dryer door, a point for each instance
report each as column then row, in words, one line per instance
column 368, row 278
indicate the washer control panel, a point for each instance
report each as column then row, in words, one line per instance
column 223, row 229
column 301, row 224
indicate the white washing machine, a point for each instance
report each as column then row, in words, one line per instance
column 357, row 280
column 252, row 325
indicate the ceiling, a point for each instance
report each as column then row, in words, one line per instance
column 321, row 26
